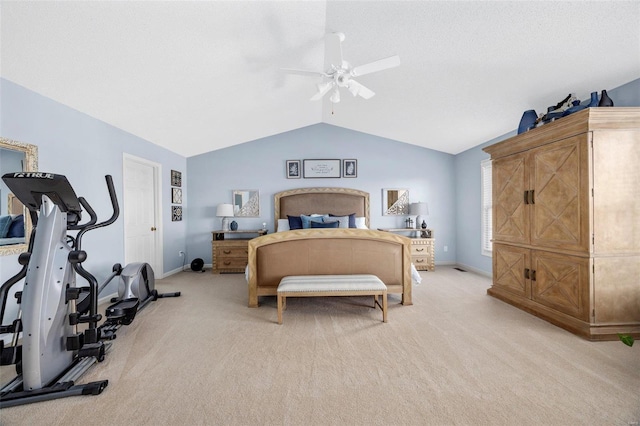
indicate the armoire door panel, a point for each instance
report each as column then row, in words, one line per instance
column 509, row 264
column 560, row 181
column 510, row 213
column 561, row 282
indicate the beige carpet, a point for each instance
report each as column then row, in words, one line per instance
column 457, row 356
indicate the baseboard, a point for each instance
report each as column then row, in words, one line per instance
column 474, row 270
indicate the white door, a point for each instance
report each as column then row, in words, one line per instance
column 142, row 238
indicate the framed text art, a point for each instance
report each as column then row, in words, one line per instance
column 314, row 169
column 293, row 169
column 349, row 168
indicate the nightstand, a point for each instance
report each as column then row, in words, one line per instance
column 422, row 249
column 230, row 256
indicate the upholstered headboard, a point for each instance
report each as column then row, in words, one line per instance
column 337, row 201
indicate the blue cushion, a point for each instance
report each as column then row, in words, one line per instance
column 307, row 219
column 294, row 222
column 352, row 219
column 17, row 227
column 5, row 223
column 334, row 224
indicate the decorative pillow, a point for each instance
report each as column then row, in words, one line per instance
column 295, row 222
column 16, row 229
column 333, row 224
column 307, row 219
column 344, row 220
column 283, row 225
column 361, row 223
column 352, row 220
column 5, row 223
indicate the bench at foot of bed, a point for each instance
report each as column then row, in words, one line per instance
column 332, row 285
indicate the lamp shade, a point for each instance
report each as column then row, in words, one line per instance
column 420, row 209
column 224, row 210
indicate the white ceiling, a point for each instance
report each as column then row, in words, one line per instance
column 199, row 76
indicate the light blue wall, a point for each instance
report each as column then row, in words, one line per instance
column 382, row 163
column 85, row 150
column 468, row 192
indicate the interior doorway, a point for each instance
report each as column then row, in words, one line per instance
column 142, row 212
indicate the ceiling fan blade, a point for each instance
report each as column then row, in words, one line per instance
column 304, row 72
column 382, row 64
column 323, row 89
column 358, row 89
column 333, row 49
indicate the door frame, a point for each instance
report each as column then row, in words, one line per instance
column 157, row 210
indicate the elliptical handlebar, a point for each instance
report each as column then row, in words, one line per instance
column 91, row 224
column 92, row 215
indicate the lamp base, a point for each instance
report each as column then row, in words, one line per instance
column 225, row 224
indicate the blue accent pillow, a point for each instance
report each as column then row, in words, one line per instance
column 307, row 219
column 352, row 219
column 16, row 229
column 334, row 224
column 294, row 222
column 5, row 223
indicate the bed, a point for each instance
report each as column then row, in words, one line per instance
column 320, row 251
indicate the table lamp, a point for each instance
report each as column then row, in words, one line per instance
column 419, row 209
column 225, row 211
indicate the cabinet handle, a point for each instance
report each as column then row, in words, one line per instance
column 226, row 251
column 532, row 193
column 526, row 273
column 526, row 197
column 227, row 263
column 533, row 275
column 419, row 260
column 419, row 249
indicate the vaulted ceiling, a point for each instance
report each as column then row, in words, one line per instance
column 199, row 76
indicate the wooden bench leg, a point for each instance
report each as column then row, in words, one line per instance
column 384, row 306
column 280, row 303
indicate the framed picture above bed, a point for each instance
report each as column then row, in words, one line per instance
column 293, row 169
column 349, row 168
column 314, row 169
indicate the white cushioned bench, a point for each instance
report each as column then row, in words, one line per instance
column 332, row 285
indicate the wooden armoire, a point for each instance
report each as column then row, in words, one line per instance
column 566, row 222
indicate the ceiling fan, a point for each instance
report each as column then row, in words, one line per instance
column 341, row 73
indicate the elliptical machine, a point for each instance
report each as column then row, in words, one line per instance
column 55, row 352
column 136, row 288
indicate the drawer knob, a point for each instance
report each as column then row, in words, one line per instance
column 419, row 260
column 226, row 251
column 419, row 249
column 227, row 263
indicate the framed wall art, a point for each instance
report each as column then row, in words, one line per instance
column 176, row 178
column 349, row 168
column 176, row 195
column 176, row 213
column 293, row 169
column 314, row 169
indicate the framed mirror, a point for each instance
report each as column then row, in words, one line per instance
column 246, row 203
column 395, row 202
column 15, row 157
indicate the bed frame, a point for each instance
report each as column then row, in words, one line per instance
column 327, row 251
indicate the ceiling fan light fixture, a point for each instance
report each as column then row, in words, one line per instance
column 354, row 89
column 335, row 96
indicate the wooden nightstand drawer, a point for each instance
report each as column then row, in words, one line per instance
column 419, row 250
column 231, row 252
column 226, row 264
